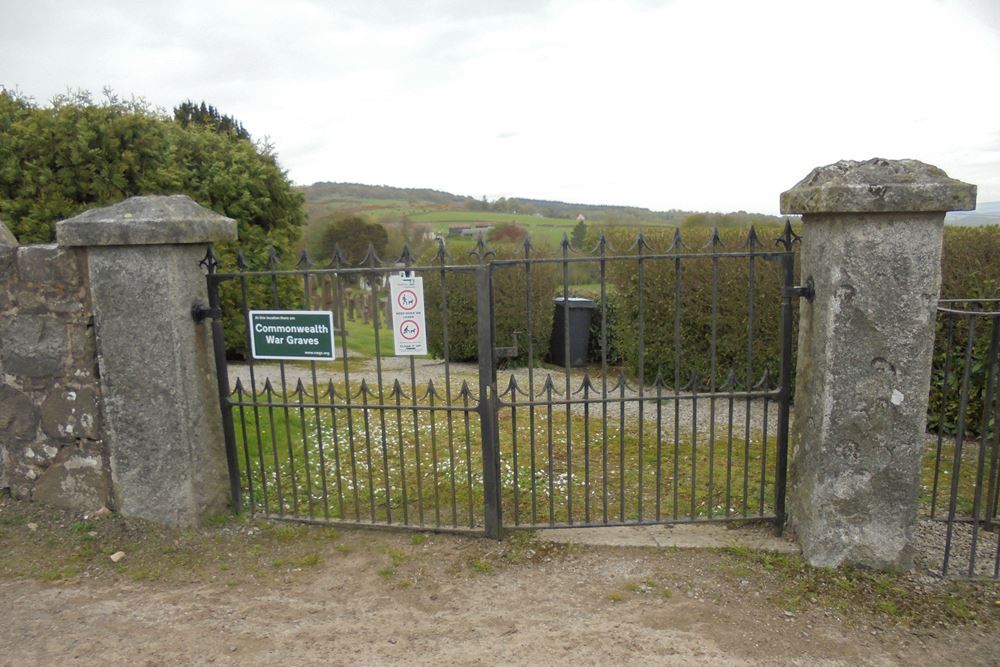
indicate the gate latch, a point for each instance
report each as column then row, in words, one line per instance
column 807, row 291
column 200, row 312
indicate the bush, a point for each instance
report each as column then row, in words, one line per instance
column 509, row 295
column 970, row 270
column 694, row 333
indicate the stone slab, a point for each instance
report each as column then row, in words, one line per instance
column 878, row 186
column 153, row 220
column 680, row 536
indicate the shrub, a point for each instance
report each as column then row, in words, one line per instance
column 734, row 298
column 970, row 270
column 510, row 305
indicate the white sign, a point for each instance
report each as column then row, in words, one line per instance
column 408, row 329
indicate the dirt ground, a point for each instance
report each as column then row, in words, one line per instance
column 241, row 592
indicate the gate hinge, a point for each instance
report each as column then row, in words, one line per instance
column 807, row 291
column 199, row 312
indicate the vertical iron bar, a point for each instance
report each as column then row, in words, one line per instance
column 447, row 388
column 513, row 446
column 621, row 447
column 531, row 379
column 246, row 453
column 963, row 404
column 274, row 455
column 785, row 389
column 368, row 447
column 319, row 420
column 751, row 283
column 729, row 446
column 659, row 444
column 331, row 394
column 642, row 372
column 763, row 457
column 694, row 446
column 468, row 453
column 398, row 390
column 586, row 450
column 549, row 456
column 225, row 404
column 950, row 325
column 347, row 386
column 713, row 370
column 991, row 499
column 984, row 436
column 434, row 456
column 487, row 401
column 568, row 387
column 301, row 391
column 602, row 249
column 376, row 315
column 677, row 370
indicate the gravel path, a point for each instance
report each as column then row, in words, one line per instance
column 428, row 370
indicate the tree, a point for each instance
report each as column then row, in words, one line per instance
column 59, row 160
column 579, row 236
column 353, row 233
column 188, row 112
column 508, row 232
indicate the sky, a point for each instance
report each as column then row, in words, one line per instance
column 711, row 105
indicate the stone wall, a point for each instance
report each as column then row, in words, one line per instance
column 51, row 443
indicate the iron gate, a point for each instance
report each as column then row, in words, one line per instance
column 961, row 467
column 679, row 414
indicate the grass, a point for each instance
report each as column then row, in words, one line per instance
column 967, row 475
column 852, row 591
column 361, row 337
column 395, row 466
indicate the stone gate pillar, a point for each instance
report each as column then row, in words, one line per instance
column 163, row 425
column 871, row 243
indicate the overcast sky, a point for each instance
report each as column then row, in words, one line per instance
column 699, row 105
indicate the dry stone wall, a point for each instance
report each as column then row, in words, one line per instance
column 51, row 443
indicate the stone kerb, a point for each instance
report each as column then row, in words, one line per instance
column 162, row 420
column 871, row 242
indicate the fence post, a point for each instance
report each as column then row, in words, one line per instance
column 163, row 425
column 871, row 242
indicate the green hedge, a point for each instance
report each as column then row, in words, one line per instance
column 509, row 294
column 734, row 299
column 970, row 269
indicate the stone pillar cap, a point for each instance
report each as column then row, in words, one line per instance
column 153, row 220
column 878, row 186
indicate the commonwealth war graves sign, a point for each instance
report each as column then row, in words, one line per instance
column 291, row 334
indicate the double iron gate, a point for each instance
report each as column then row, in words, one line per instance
column 680, row 413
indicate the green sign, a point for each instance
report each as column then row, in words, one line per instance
column 291, row 334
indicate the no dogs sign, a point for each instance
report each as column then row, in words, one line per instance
column 408, row 329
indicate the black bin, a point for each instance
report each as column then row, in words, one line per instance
column 580, row 311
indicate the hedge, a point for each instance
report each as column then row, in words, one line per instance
column 733, row 297
column 509, row 295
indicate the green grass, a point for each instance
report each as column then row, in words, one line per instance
column 361, row 337
column 391, row 466
column 966, row 478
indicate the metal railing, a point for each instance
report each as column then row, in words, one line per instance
column 640, row 437
column 962, row 468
